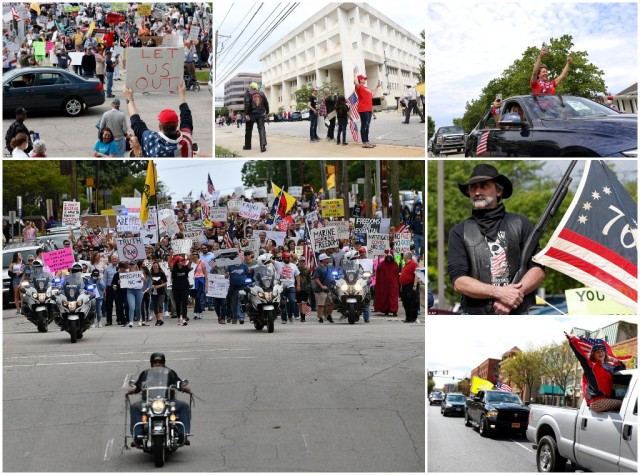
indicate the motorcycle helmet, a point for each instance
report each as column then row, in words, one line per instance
column 351, row 255
column 37, row 265
column 75, row 268
column 265, row 258
column 157, row 357
column 95, row 273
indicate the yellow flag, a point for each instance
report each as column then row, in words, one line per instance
column 149, row 192
column 479, row 384
column 290, row 199
column 331, row 182
column 35, row 7
column 92, row 26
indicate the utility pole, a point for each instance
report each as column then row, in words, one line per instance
column 217, row 52
column 394, row 189
column 442, row 303
column 367, row 188
column 323, row 175
column 345, row 188
column 74, row 180
column 289, row 180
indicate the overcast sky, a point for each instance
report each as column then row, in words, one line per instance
column 182, row 177
column 468, row 44
column 460, row 343
column 409, row 15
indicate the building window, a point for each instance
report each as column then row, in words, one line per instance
column 354, row 45
column 352, row 20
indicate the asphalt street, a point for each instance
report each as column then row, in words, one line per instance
column 68, row 137
column 452, row 447
column 309, row 397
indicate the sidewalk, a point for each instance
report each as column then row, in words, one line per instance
column 232, row 138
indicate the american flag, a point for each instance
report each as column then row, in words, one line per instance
column 352, row 102
column 228, row 243
column 403, row 228
column 584, row 344
column 595, row 243
column 127, row 37
column 500, row 386
column 205, row 209
column 482, row 144
column 210, row 187
column 307, row 252
column 15, row 14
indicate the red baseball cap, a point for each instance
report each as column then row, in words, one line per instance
column 168, row 117
column 285, row 255
column 361, row 77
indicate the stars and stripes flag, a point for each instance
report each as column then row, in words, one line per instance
column 210, row 187
column 352, row 102
column 501, row 386
column 595, row 243
column 228, row 236
column 584, row 344
column 403, row 228
column 16, row 15
column 205, row 209
column 482, row 144
column 127, row 37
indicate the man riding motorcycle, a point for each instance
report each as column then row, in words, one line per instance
column 157, row 360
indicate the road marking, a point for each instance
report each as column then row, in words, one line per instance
column 125, row 353
column 524, row 447
column 125, row 384
column 118, row 361
column 382, row 136
column 108, row 449
column 306, row 447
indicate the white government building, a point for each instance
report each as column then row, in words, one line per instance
column 330, row 44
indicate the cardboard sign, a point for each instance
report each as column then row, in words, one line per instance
column 586, row 301
column 71, row 213
column 144, row 9
column 401, row 242
column 277, row 236
column 295, row 191
column 227, row 257
column 259, row 193
column 250, row 244
column 131, row 249
column 154, row 69
column 312, row 217
column 217, row 286
column 367, row 225
column 127, row 223
column 181, row 246
column 324, row 238
column 132, row 280
column 332, row 208
column 234, row 205
column 193, row 225
column 217, row 213
column 250, row 210
column 377, row 243
column 62, row 259
column 343, row 229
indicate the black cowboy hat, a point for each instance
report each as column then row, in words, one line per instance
column 484, row 172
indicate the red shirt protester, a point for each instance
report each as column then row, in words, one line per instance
column 408, row 273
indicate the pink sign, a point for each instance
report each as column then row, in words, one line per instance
column 62, row 259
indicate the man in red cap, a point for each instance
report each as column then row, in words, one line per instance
column 365, row 105
column 175, row 136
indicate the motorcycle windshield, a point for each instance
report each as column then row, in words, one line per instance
column 41, row 282
column 157, row 383
column 350, row 271
column 73, row 286
column 264, row 276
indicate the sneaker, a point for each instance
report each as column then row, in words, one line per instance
column 210, row 309
column 221, row 321
column 184, row 324
column 161, row 323
column 284, row 321
column 166, row 314
column 290, row 320
column 302, row 319
column 234, row 321
column 241, row 322
column 92, row 326
column 366, row 321
column 140, row 323
column 158, row 322
column 344, row 143
column 329, row 319
column 320, row 320
column 99, row 325
column 130, row 325
column 228, row 319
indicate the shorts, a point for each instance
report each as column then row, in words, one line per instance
column 322, row 298
column 15, row 281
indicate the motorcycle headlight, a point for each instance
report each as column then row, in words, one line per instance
column 34, row 295
column 157, row 406
column 48, row 293
column 71, row 305
column 358, row 287
column 344, row 287
column 41, row 297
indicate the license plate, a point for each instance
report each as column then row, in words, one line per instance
column 515, row 425
column 458, row 409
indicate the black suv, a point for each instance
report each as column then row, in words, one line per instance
column 447, row 139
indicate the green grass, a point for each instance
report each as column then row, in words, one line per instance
column 222, row 152
column 202, row 76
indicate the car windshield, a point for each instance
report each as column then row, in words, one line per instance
column 453, row 129
column 503, row 397
column 455, row 398
column 567, row 107
column 407, row 196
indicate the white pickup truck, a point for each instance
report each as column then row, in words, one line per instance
column 593, row 441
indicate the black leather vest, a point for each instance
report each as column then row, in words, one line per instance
column 479, row 259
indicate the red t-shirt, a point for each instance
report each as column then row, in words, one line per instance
column 365, row 99
column 408, row 273
column 543, row 87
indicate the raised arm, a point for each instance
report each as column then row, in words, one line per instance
column 565, row 70
column 536, row 65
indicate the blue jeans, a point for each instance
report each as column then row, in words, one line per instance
column 182, row 411
column 235, row 311
column 365, row 121
column 313, row 126
column 99, row 310
column 418, row 243
column 199, row 285
column 134, row 297
column 291, row 309
column 220, row 306
column 122, row 146
column 109, row 83
column 209, row 302
column 365, row 314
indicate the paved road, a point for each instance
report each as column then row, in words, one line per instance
column 309, row 397
column 452, row 447
column 76, row 137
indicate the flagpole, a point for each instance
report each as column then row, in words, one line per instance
column 155, row 181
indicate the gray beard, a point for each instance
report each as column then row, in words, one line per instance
column 483, row 203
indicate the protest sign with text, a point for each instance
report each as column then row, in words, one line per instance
column 343, row 229
column 181, row 246
column 250, row 210
column 217, row 213
column 312, row 217
column 154, row 69
column 193, row 225
column 332, row 208
column 71, row 213
column 127, row 222
column 402, row 242
column 295, row 191
column 131, row 249
column 217, row 286
column 324, row 238
column 226, row 257
column 62, row 259
column 131, row 280
column 377, row 243
column 277, row 236
column 367, row 225
column 234, row 205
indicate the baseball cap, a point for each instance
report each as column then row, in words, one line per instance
column 253, row 85
column 21, row 110
column 361, row 76
column 322, row 257
column 115, row 101
column 285, row 255
column 168, row 117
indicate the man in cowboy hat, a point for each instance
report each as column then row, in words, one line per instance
column 485, row 249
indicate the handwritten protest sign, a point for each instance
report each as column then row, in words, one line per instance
column 193, row 225
column 218, row 213
column 312, row 217
column 250, row 210
column 343, row 229
column 217, row 286
column 71, row 213
column 193, row 235
column 168, row 223
column 332, row 208
column 181, row 246
column 227, row 257
column 324, row 238
column 154, row 69
column 234, row 205
column 357, row 211
column 259, row 193
column 277, row 236
column 402, row 242
column 377, row 243
column 61, row 259
column 144, row 9
column 127, row 222
column 250, row 244
column 131, row 249
column 367, row 225
column 295, row 191
column 131, row 280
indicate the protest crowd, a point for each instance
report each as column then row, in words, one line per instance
column 197, row 254
column 92, row 40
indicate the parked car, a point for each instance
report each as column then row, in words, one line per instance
column 49, row 89
column 24, row 248
column 435, row 398
column 295, row 116
column 554, row 126
column 591, row 441
column 453, row 404
column 447, row 139
column 492, row 411
column 305, row 114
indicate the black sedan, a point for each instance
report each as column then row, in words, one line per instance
column 554, row 126
column 453, row 404
column 295, row 116
column 49, row 89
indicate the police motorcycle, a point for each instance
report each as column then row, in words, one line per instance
column 76, row 304
column 351, row 294
column 38, row 298
column 261, row 300
column 161, row 431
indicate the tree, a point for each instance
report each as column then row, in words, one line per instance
column 431, row 126
column 222, row 112
column 430, row 385
column 559, row 363
column 33, row 180
column 525, row 370
column 303, row 94
column 584, row 78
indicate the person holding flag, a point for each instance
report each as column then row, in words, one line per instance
column 365, row 105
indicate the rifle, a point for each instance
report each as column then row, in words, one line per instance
column 549, row 211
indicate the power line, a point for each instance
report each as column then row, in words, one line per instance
column 225, row 17
column 243, row 30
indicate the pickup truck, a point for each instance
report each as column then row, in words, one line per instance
column 492, row 411
column 593, row 441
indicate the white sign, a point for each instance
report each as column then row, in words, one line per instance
column 154, row 69
column 367, row 264
column 420, row 274
column 234, row 205
column 238, row 191
column 168, row 223
column 259, row 193
column 295, row 191
column 131, row 249
column 71, row 213
column 343, row 229
column 128, row 223
column 193, row 235
column 217, row 213
column 312, row 217
column 181, row 246
column 324, row 238
column 227, row 257
column 377, row 243
column 277, row 236
column 132, row 204
column 250, row 210
column 385, row 225
column 76, row 58
column 402, row 243
column 131, row 280
column 217, row 286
